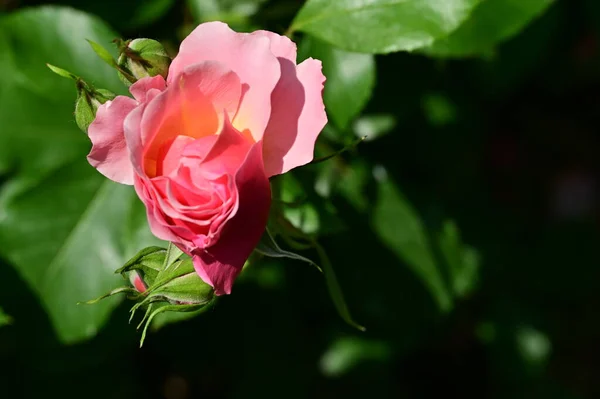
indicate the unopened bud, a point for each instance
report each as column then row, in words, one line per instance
column 142, row 58
column 88, row 101
column 163, row 280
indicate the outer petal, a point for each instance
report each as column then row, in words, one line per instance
column 281, row 46
column 297, row 117
column 249, row 56
column 133, row 137
column 220, row 264
column 109, row 153
column 140, row 88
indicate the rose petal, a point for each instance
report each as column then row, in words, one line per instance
column 220, row 264
column 249, row 56
column 297, row 118
column 169, row 155
column 192, row 106
column 141, row 88
column 109, row 153
column 227, row 153
column 281, row 46
column 132, row 127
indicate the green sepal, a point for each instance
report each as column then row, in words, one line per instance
column 102, row 53
column 184, row 289
column 149, row 261
column 133, row 294
column 108, row 58
column 62, row 72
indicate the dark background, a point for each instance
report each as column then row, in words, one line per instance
column 507, row 147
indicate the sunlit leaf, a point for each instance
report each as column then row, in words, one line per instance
column 381, row 26
column 65, row 227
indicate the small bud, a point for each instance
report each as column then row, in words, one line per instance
column 142, row 58
column 88, row 101
column 163, row 280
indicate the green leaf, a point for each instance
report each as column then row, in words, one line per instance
column 65, row 227
column 4, row 318
column 350, row 79
column 381, row 26
column 491, row 22
column 462, row 261
column 400, row 228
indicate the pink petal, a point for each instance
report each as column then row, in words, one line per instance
column 192, row 106
column 281, row 46
column 158, row 225
column 249, row 56
column 227, row 153
column 220, row 264
column 297, row 118
column 140, row 88
column 169, row 155
column 132, row 127
column 109, row 153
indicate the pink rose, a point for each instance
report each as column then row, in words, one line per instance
column 200, row 147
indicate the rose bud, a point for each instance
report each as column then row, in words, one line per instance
column 88, row 101
column 143, row 58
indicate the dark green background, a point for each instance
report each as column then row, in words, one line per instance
column 490, row 143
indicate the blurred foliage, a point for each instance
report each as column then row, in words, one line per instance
column 463, row 230
column 4, row 318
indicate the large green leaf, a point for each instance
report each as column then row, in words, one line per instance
column 63, row 226
column 350, row 79
column 400, row 228
column 381, row 26
column 491, row 22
